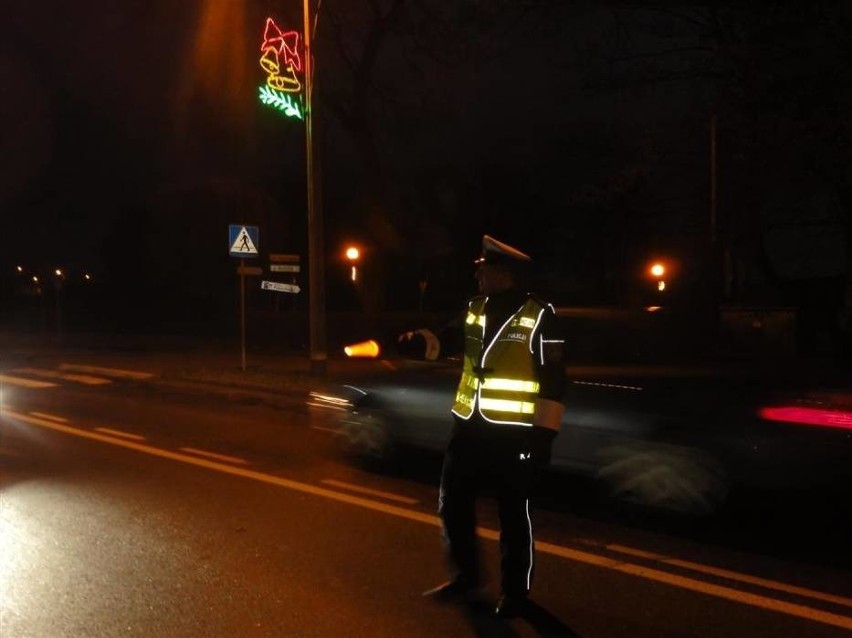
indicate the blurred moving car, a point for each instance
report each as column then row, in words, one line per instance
column 673, row 437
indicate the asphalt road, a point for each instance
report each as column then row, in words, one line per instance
column 135, row 505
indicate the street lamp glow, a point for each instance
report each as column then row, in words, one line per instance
column 352, row 253
column 58, row 272
column 658, row 270
column 19, row 268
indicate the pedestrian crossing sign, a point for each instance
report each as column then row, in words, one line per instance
column 243, row 240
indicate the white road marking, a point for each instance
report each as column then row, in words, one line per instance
column 214, row 455
column 126, row 435
column 366, row 490
column 605, row 562
column 25, row 383
column 54, row 374
column 110, row 372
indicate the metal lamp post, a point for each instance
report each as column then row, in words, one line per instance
column 316, row 259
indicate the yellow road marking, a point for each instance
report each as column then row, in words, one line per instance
column 55, row 374
column 126, row 435
column 214, row 455
column 45, row 415
column 724, row 573
column 366, row 490
column 110, row 372
column 25, row 383
column 691, row 584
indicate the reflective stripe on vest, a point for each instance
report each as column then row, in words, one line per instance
column 507, row 394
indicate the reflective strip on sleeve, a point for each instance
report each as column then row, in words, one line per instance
column 477, row 319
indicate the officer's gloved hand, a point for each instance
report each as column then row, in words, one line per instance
column 419, row 344
column 541, row 445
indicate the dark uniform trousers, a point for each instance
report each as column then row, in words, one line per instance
column 487, row 458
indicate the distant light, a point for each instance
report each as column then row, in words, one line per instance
column 809, row 416
column 19, row 268
column 661, row 285
column 352, row 253
column 354, row 274
column 367, row 349
column 653, row 308
column 35, row 279
column 658, row 270
column 87, row 276
column 58, row 272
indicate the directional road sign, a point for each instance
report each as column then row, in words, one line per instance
column 284, row 267
column 243, row 240
column 278, row 287
column 276, row 258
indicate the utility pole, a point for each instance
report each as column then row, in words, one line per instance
column 316, row 256
column 713, row 180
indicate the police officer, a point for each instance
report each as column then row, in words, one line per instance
column 507, row 411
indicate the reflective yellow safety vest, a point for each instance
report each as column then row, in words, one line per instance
column 498, row 379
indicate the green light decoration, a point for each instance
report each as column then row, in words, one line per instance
column 284, row 102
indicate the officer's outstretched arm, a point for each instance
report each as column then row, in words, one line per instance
column 548, row 414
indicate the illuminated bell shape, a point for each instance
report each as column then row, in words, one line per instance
column 269, row 61
column 283, row 83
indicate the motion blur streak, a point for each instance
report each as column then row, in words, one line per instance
column 367, row 349
column 809, row 416
column 320, row 400
column 604, row 562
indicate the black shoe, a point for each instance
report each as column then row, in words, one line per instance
column 454, row 591
column 511, row 606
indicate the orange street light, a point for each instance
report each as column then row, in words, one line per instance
column 658, row 270
column 353, row 254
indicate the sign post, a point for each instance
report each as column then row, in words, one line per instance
column 243, row 242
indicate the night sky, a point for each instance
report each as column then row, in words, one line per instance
column 578, row 131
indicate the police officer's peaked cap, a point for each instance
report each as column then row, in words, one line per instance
column 496, row 252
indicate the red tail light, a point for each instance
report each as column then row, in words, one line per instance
column 808, row 416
